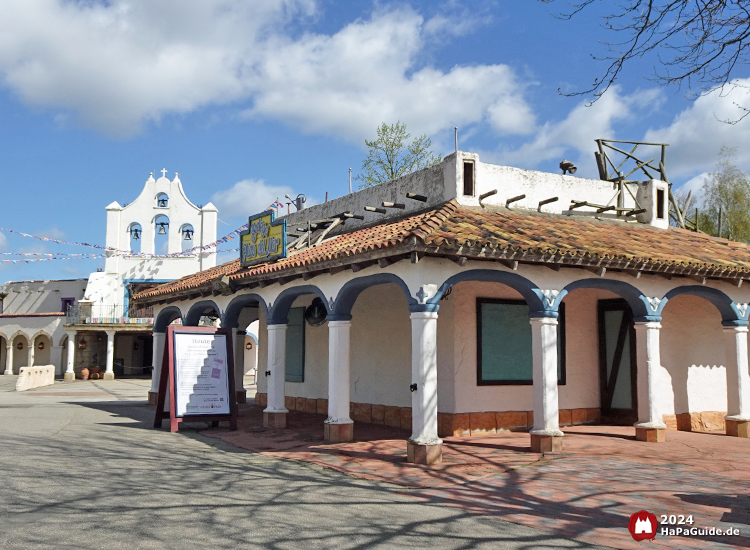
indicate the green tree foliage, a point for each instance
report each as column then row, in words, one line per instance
column 728, row 188
column 391, row 155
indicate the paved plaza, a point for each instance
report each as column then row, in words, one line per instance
column 83, row 468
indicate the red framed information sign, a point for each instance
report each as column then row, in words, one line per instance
column 197, row 377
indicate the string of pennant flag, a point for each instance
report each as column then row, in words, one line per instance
column 29, row 257
column 47, row 257
column 117, row 252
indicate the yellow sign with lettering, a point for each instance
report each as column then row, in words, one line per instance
column 264, row 240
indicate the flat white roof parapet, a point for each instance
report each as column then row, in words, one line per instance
column 462, row 177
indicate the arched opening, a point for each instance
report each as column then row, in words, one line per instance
column 246, row 313
column 250, row 354
column 305, row 352
column 3, row 353
column 186, row 237
column 161, row 235
column 485, row 354
column 204, row 313
column 135, row 233
column 380, row 348
column 42, row 350
column 381, row 370
column 166, row 317
column 20, row 353
column 601, row 359
column 162, row 200
column 693, row 367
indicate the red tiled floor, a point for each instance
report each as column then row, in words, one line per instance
column 587, row 492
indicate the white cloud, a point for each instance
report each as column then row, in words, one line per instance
column 117, row 65
column 248, row 197
column 575, row 134
column 53, row 233
column 351, row 82
column 697, row 133
column 695, row 185
column 3, row 243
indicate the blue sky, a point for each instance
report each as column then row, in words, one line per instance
column 249, row 100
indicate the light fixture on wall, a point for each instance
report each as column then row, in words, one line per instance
column 568, row 167
column 19, row 345
column 40, row 345
column 82, row 343
column 249, row 345
column 162, row 228
column 316, row 313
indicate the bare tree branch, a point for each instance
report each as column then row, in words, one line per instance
column 699, row 44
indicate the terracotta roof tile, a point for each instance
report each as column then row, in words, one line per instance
column 450, row 225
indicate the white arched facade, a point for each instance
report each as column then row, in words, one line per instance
column 382, row 320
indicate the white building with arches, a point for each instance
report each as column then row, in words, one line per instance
column 468, row 298
column 157, row 238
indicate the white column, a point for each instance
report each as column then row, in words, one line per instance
column 109, row 374
column 544, row 372
column 275, row 412
column 32, row 348
column 157, row 355
column 738, row 376
column 9, row 358
column 649, row 362
column 238, row 339
column 338, row 424
column 70, row 362
column 424, row 374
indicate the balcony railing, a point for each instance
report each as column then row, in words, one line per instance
column 94, row 314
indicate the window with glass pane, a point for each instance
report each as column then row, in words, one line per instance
column 504, row 343
column 295, row 345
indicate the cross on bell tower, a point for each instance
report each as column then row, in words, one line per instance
column 164, row 172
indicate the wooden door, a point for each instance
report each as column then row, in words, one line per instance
column 617, row 363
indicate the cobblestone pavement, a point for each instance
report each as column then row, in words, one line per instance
column 83, row 468
column 588, row 492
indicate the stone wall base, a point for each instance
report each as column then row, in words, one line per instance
column 395, row 417
column 152, row 397
column 108, row 376
column 706, row 421
column 651, row 435
column 424, row 454
column 69, row 376
column 738, row 428
column 546, row 443
column 449, row 424
column 484, row 423
column 338, row 433
column 274, row 420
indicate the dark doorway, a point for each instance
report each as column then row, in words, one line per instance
column 617, row 363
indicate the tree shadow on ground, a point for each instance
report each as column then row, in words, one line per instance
column 100, row 486
column 522, row 489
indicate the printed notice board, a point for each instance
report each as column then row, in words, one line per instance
column 197, row 377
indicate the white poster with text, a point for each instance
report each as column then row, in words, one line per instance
column 201, row 374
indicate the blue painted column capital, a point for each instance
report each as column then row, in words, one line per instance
column 424, row 308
